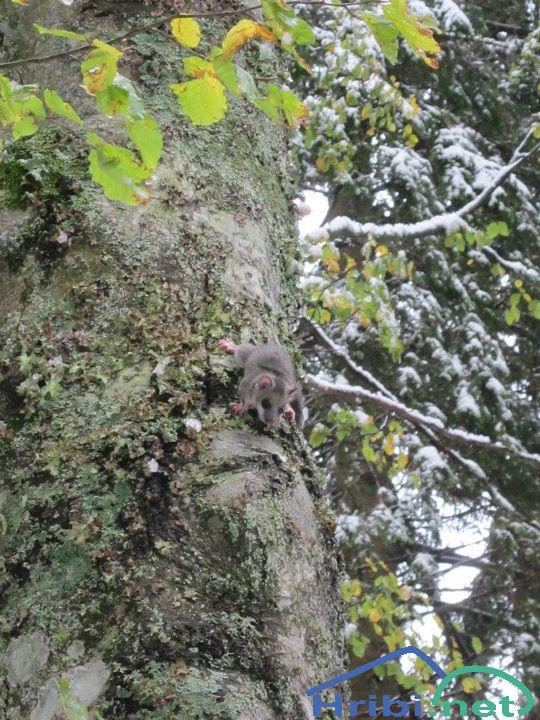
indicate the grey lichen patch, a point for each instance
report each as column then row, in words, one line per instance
column 232, row 444
column 24, row 657
column 86, row 683
column 236, row 488
column 249, row 268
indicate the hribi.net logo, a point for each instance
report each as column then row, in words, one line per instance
column 323, row 697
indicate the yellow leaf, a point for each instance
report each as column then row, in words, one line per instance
column 382, row 250
column 374, row 615
column 203, row 99
column 240, row 33
column 527, row 297
column 100, row 67
column 402, row 460
column 356, row 588
column 518, row 283
column 388, row 446
column 469, row 685
column 322, row 164
column 186, row 31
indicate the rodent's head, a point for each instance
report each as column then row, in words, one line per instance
column 271, row 396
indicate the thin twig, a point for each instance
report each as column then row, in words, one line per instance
column 167, row 18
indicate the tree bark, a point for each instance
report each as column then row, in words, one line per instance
column 167, row 559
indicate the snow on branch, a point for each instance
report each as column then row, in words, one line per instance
column 386, row 400
column 447, row 223
column 418, row 418
column 340, row 352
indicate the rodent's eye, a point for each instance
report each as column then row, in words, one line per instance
column 266, row 404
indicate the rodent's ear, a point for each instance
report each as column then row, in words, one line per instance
column 265, row 381
column 291, row 391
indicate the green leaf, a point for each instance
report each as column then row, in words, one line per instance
column 287, row 26
column 534, row 308
column 367, row 451
column 385, row 34
column 318, row 436
column 196, row 66
column 280, row 104
column 146, row 136
column 117, row 171
column 226, row 72
column 515, row 299
column 33, row 105
column 113, row 100
column 503, row 229
column 246, row 83
column 203, row 100
column 493, row 230
column 512, row 315
column 60, row 33
column 477, row 644
column 120, row 98
column 60, row 107
column 24, row 127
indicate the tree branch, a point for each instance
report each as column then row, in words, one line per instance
column 389, row 402
column 167, row 18
column 359, row 371
column 448, row 223
column 455, row 434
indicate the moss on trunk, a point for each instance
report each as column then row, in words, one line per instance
column 171, row 560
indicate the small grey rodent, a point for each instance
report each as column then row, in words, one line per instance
column 269, row 385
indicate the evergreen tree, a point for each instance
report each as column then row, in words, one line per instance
column 423, row 297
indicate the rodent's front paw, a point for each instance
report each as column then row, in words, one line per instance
column 238, row 408
column 289, row 413
column 226, row 345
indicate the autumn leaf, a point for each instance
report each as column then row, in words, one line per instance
column 240, row 33
column 197, row 67
column 203, row 99
column 419, row 37
column 100, row 67
column 186, row 31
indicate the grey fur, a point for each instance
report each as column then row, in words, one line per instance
column 269, row 384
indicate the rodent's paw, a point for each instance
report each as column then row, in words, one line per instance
column 289, row 413
column 238, row 408
column 226, row 345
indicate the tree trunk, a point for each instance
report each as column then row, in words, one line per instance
column 167, row 559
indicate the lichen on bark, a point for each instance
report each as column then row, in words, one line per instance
column 183, row 557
